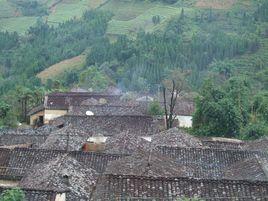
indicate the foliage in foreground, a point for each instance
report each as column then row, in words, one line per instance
column 14, row 194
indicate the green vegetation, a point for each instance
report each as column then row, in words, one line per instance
column 231, row 110
column 14, row 194
column 155, row 109
column 135, row 45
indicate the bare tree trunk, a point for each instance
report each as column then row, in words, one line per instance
column 165, row 105
column 170, row 117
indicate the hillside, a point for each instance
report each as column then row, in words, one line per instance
column 138, row 44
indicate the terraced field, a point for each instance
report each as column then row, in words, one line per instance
column 6, row 9
column 66, row 10
column 59, row 11
column 18, row 24
column 130, row 17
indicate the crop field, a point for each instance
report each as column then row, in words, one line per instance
column 127, row 10
column 59, row 11
column 68, row 9
column 131, row 16
column 7, row 9
column 59, row 68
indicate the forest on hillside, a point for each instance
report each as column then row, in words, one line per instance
column 224, row 51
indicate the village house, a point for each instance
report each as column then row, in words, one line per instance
column 98, row 147
column 99, row 104
column 57, row 104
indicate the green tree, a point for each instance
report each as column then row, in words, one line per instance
column 215, row 114
column 155, row 109
column 14, row 194
column 93, row 78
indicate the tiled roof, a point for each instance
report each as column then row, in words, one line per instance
column 112, row 124
column 142, row 163
column 16, row 162
column 64, row 173
column 260, row 144
column 126, row 143
column 64, row 100
column 67, row 138
column 102, row 110
column 210, row 163
column 175, row 137
column 119, row 187
column 36, row 109
column 247, row 169
column 33, row 137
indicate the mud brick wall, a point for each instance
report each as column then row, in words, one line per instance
column 112, row 125
column 117, row 186
column 209, row 163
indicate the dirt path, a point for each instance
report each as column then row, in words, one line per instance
column 52, row 8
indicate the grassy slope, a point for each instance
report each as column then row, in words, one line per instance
column 59, row 68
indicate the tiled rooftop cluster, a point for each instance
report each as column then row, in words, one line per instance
column 124, row 187
column 140, row 161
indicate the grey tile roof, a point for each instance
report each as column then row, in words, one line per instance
column 64, row 173
column 124, row 187
column 112, row 125
column 210, row 163
column 16, row 162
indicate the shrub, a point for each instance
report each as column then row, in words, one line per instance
column 14, row 194
column 155, row 109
